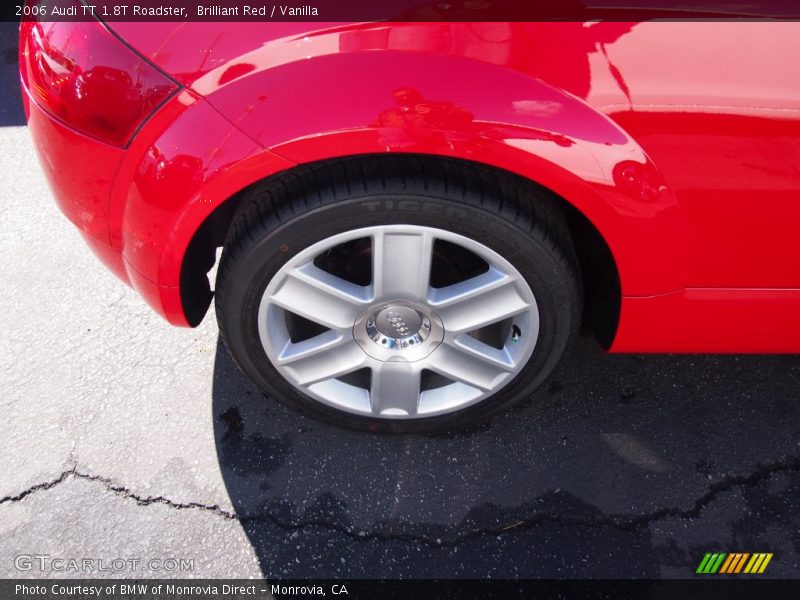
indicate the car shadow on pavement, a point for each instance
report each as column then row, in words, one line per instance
column 620, row 466
column 11, row 111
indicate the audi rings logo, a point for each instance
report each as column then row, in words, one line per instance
column 397, row 322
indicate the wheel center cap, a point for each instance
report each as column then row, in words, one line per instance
column 398, row 330
column 398, row 326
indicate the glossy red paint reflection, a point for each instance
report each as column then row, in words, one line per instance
column 80, row 171
column 83, row 75
column 678, row 141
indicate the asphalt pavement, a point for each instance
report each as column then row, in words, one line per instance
column 122, row 437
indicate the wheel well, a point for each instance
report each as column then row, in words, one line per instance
column 598, row 270
column 602, row 293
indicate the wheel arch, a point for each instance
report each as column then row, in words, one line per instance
column 614, row 195
column 596, row 263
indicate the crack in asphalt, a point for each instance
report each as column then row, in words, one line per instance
column 761, row 473
column 39, row 487
column 119, row 490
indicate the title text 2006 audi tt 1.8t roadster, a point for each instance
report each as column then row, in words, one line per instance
column 416, row 218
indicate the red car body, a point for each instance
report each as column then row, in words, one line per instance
column 678, row 141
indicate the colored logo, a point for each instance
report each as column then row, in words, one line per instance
column 734, row 563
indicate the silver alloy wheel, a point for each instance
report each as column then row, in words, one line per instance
column 398, row 327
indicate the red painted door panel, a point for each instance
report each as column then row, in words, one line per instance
column 717, row 108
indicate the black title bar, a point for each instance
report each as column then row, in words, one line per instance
column 341, row 589
column 398, row 10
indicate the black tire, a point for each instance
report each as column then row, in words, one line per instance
column 512, row 216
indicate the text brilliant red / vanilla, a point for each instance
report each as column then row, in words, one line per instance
column 257, row 11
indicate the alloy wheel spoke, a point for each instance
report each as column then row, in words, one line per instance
column 395, row 389
column 472, row 364
column 325, row 356
column 401, row 264
column 321, row 297
column 479, row 301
